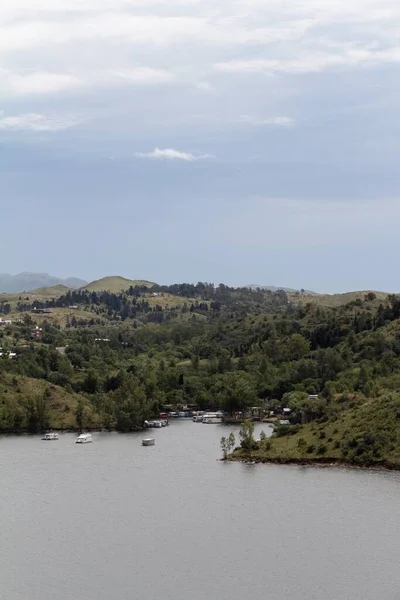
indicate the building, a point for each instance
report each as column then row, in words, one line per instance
column 37, row 333
column 5, row 322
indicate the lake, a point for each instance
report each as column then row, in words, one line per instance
column 115, row 520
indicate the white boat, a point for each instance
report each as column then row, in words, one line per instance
column 148, row 442
column 212, row 418
column 84, row 438
column 50, row 436
column 198, row 419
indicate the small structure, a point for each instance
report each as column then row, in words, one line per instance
column 313, row 397
column 5, row 322
column 37, row 333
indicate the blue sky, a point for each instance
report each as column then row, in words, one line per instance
column 238, row 141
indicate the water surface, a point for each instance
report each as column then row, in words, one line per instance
column 113, row 519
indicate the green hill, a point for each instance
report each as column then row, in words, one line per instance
column 115, row 284
column 334, row 300
column 54, row 291
column 21, row 400
column 359, row 432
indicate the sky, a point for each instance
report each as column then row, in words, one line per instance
column 234, row 141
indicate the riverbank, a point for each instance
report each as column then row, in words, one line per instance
column 315, row 463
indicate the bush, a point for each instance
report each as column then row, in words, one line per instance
column 310, row 448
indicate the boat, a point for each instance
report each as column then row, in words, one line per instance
column 148, row 442
column 50, row 436
column 198, row 419
column 212, row 418
column 157, row 423
column 84, row 438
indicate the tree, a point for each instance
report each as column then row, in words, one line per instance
column 246, row 435
column 79, row 414
column 302, row 446
column 227, row 445
column 236, row 391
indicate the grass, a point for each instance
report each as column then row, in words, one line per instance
column 364, row 435
column 115, row 284
column 335, row 300
column 59, row 316
column 16, row 389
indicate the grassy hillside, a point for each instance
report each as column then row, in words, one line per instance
column 18, row 393
column 359, row 432
column 115, row 284
column 335, row 300
column 48, row 293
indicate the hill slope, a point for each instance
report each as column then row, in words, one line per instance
column 115, row 284
column 362, row 432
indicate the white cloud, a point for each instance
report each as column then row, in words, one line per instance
column 36, row 82
column 342, row 56
column 171, row 154
column 146, row 76
column 273, row 121
column 105, row 48
column 36, row 122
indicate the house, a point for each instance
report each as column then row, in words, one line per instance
column 287, row 411
column 10, row 355
column 42, row 311
column 313, row 397
column 37, row 333
column 5, row 322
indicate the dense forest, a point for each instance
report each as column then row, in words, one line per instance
column 137, row 353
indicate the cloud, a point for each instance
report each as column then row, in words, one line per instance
column 274, row 121
column 36, row 122
column 36, row 82
column 344, row 56
column 146, row 76
column 171, row 154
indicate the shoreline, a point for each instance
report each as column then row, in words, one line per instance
column 317, row 463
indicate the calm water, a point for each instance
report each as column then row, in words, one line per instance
column 115, row 520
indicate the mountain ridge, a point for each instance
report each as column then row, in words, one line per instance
column 27, row 282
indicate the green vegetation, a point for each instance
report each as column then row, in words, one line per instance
column 115, row 285
column 358, row 431
column 112, row 360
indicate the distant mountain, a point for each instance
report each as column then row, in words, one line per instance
column 26, row 282
column 115, row 284
column 254, row 286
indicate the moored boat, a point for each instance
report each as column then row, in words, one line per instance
column 84, row 438
column 213, row 418
column 148, row 442
column 50, row 436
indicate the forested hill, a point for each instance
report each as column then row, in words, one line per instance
column 113, row 360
